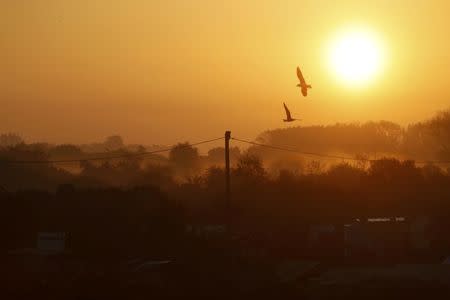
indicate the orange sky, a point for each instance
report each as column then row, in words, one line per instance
column 164, row 71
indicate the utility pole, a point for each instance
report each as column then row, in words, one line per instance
column 227, row 178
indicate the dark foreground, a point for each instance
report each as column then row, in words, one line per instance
column 32, row 275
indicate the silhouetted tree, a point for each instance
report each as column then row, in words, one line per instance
column 250, row 166
column 429, row 139
column 10, row 139
column 65, row 150
column 314, row 167
column 185, row 157
column 114, row 142
column 217, row 155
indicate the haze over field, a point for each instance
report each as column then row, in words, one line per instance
column 235, row 149
column 159, row 71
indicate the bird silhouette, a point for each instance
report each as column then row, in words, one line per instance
column 303, row 85
column 288, row 114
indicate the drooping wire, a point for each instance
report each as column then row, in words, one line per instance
column 131, row 155
column 328, row 155
column 128, row 155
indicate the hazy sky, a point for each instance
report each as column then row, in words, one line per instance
column 163, row 71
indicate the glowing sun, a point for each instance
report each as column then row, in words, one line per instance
column 356, row 57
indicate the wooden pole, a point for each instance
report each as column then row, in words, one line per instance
column 227, row 178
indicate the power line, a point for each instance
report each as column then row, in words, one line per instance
column 327, row 155
column 293, row 150
column 128, row 155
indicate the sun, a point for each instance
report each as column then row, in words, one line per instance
column 356, row 57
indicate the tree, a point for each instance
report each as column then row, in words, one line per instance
column 10, row 140
column 185, row 157
column 217, row 154
column 250, row 166
column 65, row 150
column 314, row 167
column 114, row 142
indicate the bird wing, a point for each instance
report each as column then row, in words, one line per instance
column 288, row 113
column 300, row 76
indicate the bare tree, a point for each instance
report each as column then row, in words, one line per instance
column 10, row 140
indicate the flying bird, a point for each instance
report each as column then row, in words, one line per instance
column 303, row 86
column 288, row 114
